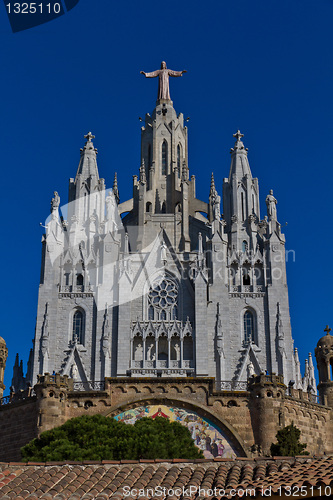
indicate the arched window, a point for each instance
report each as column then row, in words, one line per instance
column 243, row 208
column 164, row 158
column 78, row 327
column 246, row 276
column 249, row 334
column 175, row 312
column 163, row 209
column 149, row 156
column 79, row 280
column 179, row 155
column 149, row 207
column 244, row 246
column 151, row 313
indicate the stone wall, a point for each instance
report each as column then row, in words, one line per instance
column 249, row 419
column 18, row 426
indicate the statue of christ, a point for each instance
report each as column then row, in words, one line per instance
column 163, row 79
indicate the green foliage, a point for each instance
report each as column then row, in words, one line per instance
column 103, row 438
column 288, row 444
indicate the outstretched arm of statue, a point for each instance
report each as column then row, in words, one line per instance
column 153, row 74
column 176, row 73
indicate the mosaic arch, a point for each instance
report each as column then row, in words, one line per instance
column 206, row 435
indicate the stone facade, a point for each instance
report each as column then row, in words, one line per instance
column 160, row 299
column 162, row 284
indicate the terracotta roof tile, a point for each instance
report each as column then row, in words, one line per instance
column 103, row 481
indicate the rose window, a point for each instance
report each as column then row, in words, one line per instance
column 162, row 300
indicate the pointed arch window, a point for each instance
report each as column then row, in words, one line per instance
column 78, row 327
column 249, row 327
column 164, row 157
column 79, row 280
column 149, row 156
column 151, row 313
column 179, row 155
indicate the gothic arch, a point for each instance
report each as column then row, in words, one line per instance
column 231, row 434
column 248, row 315
column 164, row 157
column 74, row 326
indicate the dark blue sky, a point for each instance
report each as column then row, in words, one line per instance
column 264, row 67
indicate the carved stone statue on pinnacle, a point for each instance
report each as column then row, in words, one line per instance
column 271, row 205
column 163, row 79
column 55, row 202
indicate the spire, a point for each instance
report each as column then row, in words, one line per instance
column 212, row 185
column 240, row 190
column 298, row 370
column 115, row 188
column 214, row 202
column 312, row 377
column 88, row 165
column 239, row 162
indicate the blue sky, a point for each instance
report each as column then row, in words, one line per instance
column 264, row 67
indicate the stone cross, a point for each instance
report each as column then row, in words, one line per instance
column 327, row 330
column 89, row 136
column 238, row 135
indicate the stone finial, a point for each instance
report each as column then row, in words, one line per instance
column 238, row 135
column 212, row 184
column 238, row 144
column 89, row 136
column 115, row 188
column 328, row 330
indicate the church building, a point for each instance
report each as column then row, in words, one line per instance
column 165, row 304
column 163, row 284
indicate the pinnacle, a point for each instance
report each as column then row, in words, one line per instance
column 238, row 144
column 212, row 183
column 89, row 136
column 89, row 144
column 115, row 187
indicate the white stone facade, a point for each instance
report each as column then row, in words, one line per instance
column 152, row 287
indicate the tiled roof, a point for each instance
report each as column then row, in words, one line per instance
column 175, row 479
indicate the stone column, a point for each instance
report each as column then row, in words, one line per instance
column 169, row 352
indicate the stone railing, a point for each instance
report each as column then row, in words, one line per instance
column 90, row 385
column 230, row 385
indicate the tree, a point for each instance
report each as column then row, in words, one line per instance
column 103, row 438
column 288, row 444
